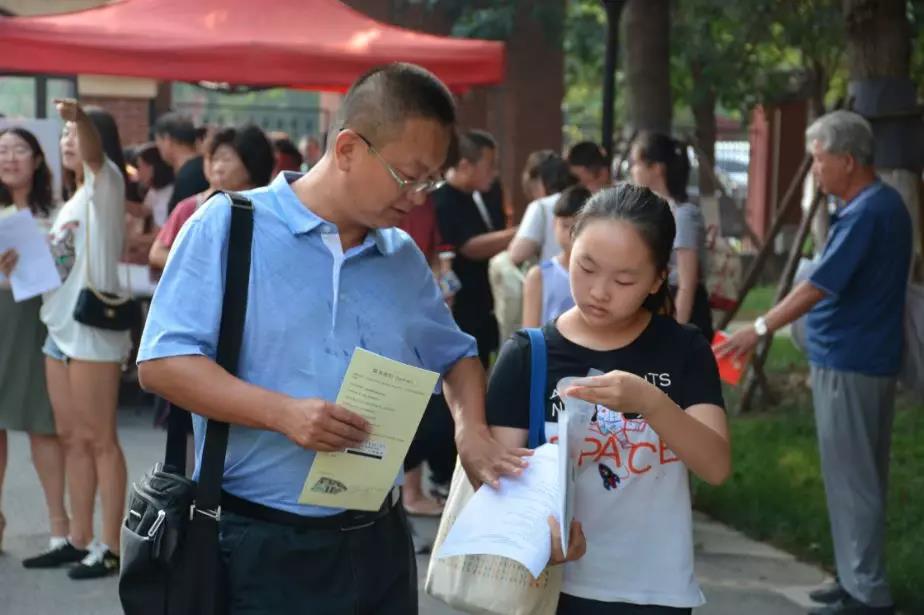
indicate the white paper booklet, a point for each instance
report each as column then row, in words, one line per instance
column 512, row 521
column 572, row 424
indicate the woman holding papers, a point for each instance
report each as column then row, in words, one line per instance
column 659, row 410
column 25, row 185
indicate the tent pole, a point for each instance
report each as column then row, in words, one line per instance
column 789, row 201
column 41, row 96
column 789, row 272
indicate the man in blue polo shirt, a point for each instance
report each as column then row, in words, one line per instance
column 855, row 300
column 328, row 274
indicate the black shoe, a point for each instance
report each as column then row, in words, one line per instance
column 848, row 605
column 829, row 594
column 96, row 564
column 65, row 554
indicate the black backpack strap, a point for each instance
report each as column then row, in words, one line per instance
column 230, row 334
column 205, row 570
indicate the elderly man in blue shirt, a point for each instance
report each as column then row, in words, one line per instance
column 855, row 300
column 328, row 275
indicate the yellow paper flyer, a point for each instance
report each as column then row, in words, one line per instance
column 390, row 395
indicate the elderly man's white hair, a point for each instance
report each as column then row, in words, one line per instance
column 843, row 132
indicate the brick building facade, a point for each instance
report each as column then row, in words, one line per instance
column 132, row 115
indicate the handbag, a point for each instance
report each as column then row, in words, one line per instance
column 723, row 272
column 104, row 310
column 488, row 583
column 507, row 289
column 171, row 560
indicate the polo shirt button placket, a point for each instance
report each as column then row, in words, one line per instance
column 332, row 240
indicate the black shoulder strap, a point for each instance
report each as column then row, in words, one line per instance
column 230, row 333
column 233, row 310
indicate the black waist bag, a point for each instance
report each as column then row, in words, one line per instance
column 106, row 310
column 171, row 559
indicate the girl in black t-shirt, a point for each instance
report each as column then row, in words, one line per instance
column 659, row 411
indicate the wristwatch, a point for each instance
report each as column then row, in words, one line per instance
column 760, row 326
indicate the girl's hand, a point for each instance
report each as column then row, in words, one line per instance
column 617, row 390
column 577, row 545
column 69, row 109
column 8, row 261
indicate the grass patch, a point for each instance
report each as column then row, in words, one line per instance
column 758, row 301
column 785, row 357
column 775, row 493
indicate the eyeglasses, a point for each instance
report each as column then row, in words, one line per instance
column 17, row 151
column 411, row 186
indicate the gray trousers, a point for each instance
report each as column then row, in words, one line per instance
column 853, row 415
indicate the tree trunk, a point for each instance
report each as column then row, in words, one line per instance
column 524, row 112
column 818, row 89
column 878, row 38
column 703, row 107
column 879, row 60
column 816, row 108
column 646, row 36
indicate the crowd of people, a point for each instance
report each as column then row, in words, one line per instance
column 122, row 207
column 613, row 275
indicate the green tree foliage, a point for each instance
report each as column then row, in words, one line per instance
column 808, row 38
column 744, row 52
column 715, row 53
column 733, row 53
column 727, row 54
column 585, row 46
column 578, row 25
column 497, row 19
column 916, row 18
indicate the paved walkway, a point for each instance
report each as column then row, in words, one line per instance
column 738, row 574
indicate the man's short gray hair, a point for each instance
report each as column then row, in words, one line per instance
column 843, row 132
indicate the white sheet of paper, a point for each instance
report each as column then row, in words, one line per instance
column 511, row 521
column 35, row 273
column 572, row 425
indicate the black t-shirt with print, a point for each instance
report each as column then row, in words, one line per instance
column 673, row 357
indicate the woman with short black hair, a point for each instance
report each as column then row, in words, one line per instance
column 235, row 159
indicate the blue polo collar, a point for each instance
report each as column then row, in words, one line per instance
column 301, row 220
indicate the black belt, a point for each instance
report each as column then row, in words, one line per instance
column 345, row 521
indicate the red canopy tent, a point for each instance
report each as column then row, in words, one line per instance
column 308, row 44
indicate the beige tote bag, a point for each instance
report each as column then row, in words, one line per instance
column 486, row 583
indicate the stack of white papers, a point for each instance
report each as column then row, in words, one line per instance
column 35, row 273
column 512, row 521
